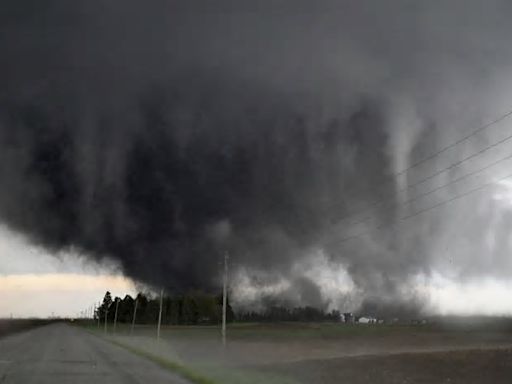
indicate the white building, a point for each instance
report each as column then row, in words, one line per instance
column 367, row 320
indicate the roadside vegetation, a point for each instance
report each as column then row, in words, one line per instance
column 297, row 353
column 295, row 346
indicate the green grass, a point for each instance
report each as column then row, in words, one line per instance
column 180, row 369
column 245, row 376
column 203, row 364
column 204, row 373
column 210, row 374
column 275, row 331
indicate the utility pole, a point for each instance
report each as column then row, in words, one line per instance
column 134, row 315
column 224, row 298
column 115, row 316
column 160, row 315
column 106, row 317
column 97, row 313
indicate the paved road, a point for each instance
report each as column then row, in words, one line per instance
column 60, row 353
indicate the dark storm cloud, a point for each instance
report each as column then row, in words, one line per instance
column 161, row 134
column 152, row 194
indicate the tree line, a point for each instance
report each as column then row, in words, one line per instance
column 192, row 308
column 200, row 308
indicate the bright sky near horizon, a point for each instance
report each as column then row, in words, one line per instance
column 35, row 283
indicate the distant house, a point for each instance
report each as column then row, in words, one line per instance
column 367, row 320
column 348, row 318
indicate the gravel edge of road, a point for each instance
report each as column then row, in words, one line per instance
column 172, row 366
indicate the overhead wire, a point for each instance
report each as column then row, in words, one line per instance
column 420, row 212
column 436, row 189
column 472, row 156
column 454, row 144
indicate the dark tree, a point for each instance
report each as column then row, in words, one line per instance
column 105, row 305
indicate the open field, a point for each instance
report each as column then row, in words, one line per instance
column 455, row 367
column 262, row 354
column 8, row 326
column 477, row 352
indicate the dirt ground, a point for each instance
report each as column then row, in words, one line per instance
column 8, row 326
column 284, row 343
column 458, row 367
column 335, row 353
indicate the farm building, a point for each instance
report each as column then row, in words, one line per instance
column 367, row 320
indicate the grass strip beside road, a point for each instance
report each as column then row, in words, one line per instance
column 180, row 369
column 204, row 373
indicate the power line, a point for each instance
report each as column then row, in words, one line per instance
column 382, row 200
column 439, row 152
column 457, row 197
column 432, row 176
column 454, row 144
column 420, row 212
column 454, row 181
column 457, row 163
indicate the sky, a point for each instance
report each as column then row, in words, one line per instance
column 349, row 155
column 38, row 283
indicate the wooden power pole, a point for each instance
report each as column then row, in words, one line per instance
column 224, row 298
column 115, row 316
column 160, row 315
column 134, row 315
